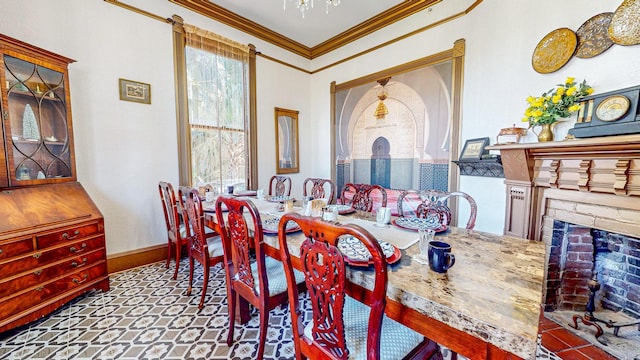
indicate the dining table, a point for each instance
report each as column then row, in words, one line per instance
column 487, row 306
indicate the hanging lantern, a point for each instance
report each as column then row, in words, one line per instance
column 381, row 109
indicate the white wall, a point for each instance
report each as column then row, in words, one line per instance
column 500, row 36
column 123, row 149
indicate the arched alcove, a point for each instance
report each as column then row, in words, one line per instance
column 381, row 162
column 422, row 126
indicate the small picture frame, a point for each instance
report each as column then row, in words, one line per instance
column 135, row 91
column 473, row 149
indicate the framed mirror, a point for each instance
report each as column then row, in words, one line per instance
column 286, row 141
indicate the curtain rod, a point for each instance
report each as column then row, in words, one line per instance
column 139, row 11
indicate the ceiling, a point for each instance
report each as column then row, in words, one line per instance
column 318, row 32
column 317, row 26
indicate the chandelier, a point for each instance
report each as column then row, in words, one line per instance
column 381, row 110
column 303, row 5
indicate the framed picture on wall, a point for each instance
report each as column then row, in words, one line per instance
column 135, row 91
column 473, row 149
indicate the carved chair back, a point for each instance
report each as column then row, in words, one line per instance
column 172, row 221
column 204, row 245
column 320, row 189
column 248, row 275
column 325, row 275
column 280, row 185
column 238, row 243
column 362, row 198
column 192, row 213
column 433, row 203
column 334, row 303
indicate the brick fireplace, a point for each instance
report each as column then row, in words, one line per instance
column 587, row 234
column 577, row 253
column 582, row 198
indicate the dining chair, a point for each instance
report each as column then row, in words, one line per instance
column 320, row 189
column 426, row 203
column 343, row 322
column 280, row 185
column 254, row 277
column 363, row 196
column 204, row 244
column 176, row 231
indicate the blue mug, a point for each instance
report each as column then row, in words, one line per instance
column 440, row 256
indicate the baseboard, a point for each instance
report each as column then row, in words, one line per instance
column 139, row 257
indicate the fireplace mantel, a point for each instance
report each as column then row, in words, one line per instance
column 593, row 170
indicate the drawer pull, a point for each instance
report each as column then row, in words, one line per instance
column 76, row 265
column 0, row 251
column 82, row 248
column 40, row 288
column 78, row 281
column 66, row 236
column 37, row 256
column 37, row 272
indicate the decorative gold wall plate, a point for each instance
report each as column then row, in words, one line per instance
column 554, row 50
column 593, row 36
column 613, row 108
column 625, row 24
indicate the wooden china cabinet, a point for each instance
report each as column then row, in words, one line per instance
column 52, row 242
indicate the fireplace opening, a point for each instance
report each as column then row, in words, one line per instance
column 577, row 256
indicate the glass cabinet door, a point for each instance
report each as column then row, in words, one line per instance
column 37, row 132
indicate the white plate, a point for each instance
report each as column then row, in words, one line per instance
column 280, row 198
column 341, row 209
column 355, row 250
column 415, row 224
column 270, row 224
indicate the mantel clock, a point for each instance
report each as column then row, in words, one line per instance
column 611, row 113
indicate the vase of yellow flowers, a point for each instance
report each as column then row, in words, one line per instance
column 546, row 110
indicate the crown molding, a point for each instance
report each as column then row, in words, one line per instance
column 388, row 17
column 234, row 20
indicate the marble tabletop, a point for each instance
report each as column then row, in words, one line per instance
column 493, row 292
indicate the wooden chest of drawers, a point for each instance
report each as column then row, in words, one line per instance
column 52, row 249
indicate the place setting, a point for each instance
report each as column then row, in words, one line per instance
column 280, row 198
column 417, row 224
column 436, row 254
column 270, row 223
column 356, row 254
column 209, row 203
column 341, row 209
column 379, row 225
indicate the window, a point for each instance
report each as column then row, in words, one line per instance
column 214, row 136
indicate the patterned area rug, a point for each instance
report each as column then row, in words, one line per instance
column 146, row 315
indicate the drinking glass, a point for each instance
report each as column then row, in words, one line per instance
column 425, row 236
column 380, row 218
column 305, row 201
